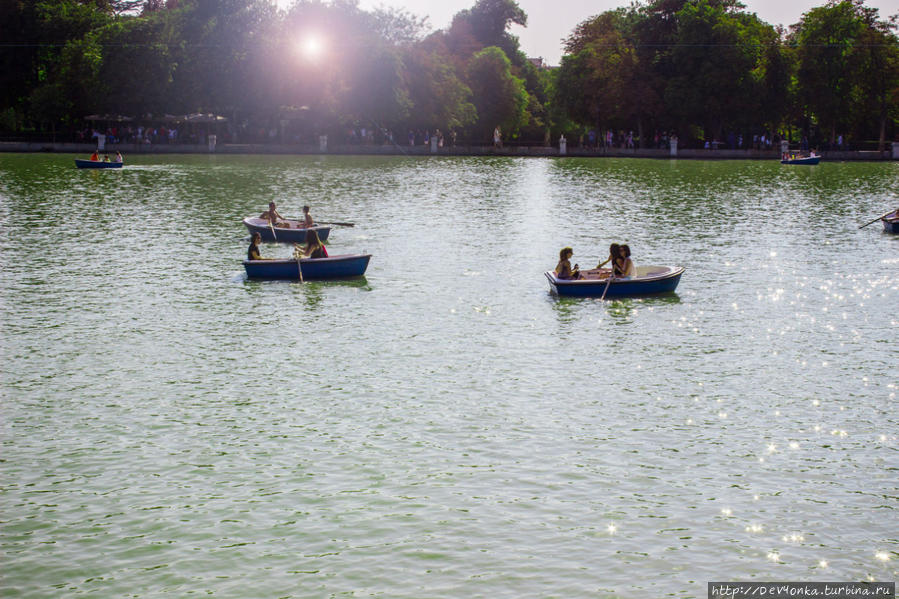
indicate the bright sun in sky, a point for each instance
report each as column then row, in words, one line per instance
column 310, row 46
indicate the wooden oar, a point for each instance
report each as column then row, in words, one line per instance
column 877, row 219
column 608, row 282
column 299, row 255
column 272, row 227
column 321, row 222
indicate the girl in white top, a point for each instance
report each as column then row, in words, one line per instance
column 627, row 266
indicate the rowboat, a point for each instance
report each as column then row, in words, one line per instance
column 891, row 222
column 801, row 160
column 648, row 281
column 333, row 267
column 97, row 164
column 293, row 234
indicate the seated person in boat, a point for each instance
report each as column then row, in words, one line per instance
column 307, row 218
column 626, row 265
column 118, row 157
column 563, row 268
column 314, row 247
column 95, row 157
column 272, row 216
column 253, row 250
column 106, row 158
column 613, row 255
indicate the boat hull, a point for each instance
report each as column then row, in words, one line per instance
column 283, row 234
column 809, row 160
column 891, row 225
column 97, row 164
column 334, row 267
column 650, row 280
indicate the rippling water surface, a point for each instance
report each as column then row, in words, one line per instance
column 445, row 427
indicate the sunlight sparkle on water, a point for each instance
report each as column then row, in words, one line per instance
column 882, row 556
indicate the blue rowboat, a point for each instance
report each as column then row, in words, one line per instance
column 293, row 234
column 97, row 164
column 333, row 267
column 806, row 160
column 649, row 280
column 891, row 222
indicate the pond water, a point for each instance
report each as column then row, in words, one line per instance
column 445, row 427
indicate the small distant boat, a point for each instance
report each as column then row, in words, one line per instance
column 891, row 222
column 801, row 160
column 294, row 234
column 97, row 164
column 650, row 280
column 333, row 267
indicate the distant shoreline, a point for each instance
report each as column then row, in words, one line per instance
column 892, row 153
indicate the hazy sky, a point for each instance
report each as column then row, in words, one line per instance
column 550, row 21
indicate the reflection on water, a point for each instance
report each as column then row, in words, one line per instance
column 444, row 426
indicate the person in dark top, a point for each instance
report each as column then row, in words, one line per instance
column 253, row 250
column 613, row 255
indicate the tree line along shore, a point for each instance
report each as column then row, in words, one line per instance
column 706, row 72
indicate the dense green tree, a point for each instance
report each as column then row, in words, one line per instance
column 487, row 23
column 499, row 96
column 440, row 100
column 603, row 83
column 827, row 41
column 878, row 72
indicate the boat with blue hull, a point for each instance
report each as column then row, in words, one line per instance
column 891, row 222
column 333, row 267
column 97, row 164
column 650, row 280
column 294, row 233
column 801, row 160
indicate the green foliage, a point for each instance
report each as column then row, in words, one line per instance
column 696, row 67
column 439, row 98
column 499, row 97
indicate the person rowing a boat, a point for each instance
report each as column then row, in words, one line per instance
column 563, row 268
column 314, row 247
column 272, row 216
column 307, row 218
column 613, row 258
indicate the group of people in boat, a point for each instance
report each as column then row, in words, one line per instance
column 276, row 220
column 794, row 156
column 621, row 265
column 314, row 248
column 95, row 157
